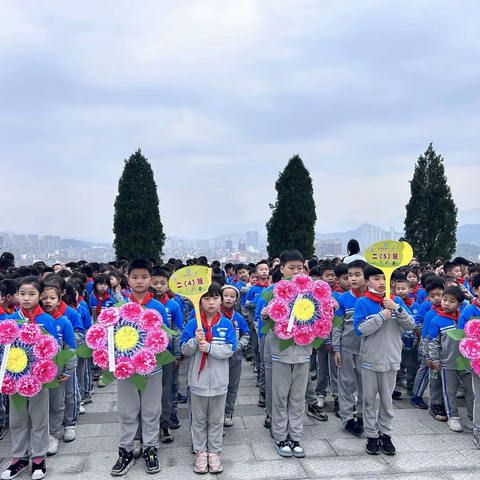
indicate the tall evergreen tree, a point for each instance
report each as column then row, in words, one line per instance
column 431, row 219
column 292, row 224
column 136, row 223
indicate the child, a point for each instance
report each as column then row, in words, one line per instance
column 444, row 352
column 29, row 425
column 455, row 270
column 137, row 408
column 160, row 278
column 290, row 372
column 343, row 285
column 230, row 296
column 434, row 289
column 9, row 298
column 468, row 313
column 116, row 287
column 51, row 300
column 413, row 279
column 208, row 373
column 380, row 330
column 101, row 296
column 346, row 345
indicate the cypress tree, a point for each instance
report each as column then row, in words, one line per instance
column 292, row 224
column 431, row 218
column 136, row 223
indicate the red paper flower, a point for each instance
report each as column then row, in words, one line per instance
column 100, row 358
column 28, row 386
column 44, row 370
column 9, row 386
column 8, row 331
column 150, row 320
column 157, row 341
column 144, row 361
column 124, row 368
column 30, row 333
column 46, row 348
column 97, row 336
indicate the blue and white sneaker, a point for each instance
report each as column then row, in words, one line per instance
column 297, row 449
column 283, row 449
column 418, row 402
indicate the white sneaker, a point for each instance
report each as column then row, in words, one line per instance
column 468, row 424
column 454, row 424
column 81, row 410
column 137, row 448
column 228, row 420
column 460, row 394
column 52, row 445
column 321, row 401
column 70, row 434
column 100, row 383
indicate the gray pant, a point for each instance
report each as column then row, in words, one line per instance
column 327, row 372
column 261, row 348
column 382, row 383
column 267, row 355
column 206, row 422
column 56, row 409
column 310, row 396
column 235, row 371
column 166, row 394
column 175, row 387
column 135, row 406
column 476, row 403
column 84, row 377
column 72, row 400
column 29, row 427
column 421, row 378
column 349, row 382
column 289, row 385
column 3, row 415
column 451, row 379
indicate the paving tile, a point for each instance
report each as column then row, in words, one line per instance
column 313, row 448
column 283, row 468
column 434, row 443
column 342, row 466
column 356, row 446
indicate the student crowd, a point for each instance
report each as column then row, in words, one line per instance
column 381, row 342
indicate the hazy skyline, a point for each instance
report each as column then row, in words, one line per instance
column 219, row 95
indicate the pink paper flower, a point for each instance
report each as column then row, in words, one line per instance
column 281, row 330
column 303, row 283
column 150, row 320
column 472, row 329
column 100, row 358
column 475, row 364
column 97, row 336
column 131, row 312
column 46, row 348
column 124, row 368
column 304, row 335
column 144, row 361
column 30, row 333
column 278, row 310
column 9, row 386
column 285, row 290
column 321, row 290
column 469, row 348
column 28, row 386
column 322, row 328
column 109, row 317
column 326, row 309
column 157, row 341
column 44, row 370
column 8, row 331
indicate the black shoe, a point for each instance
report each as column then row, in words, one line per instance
column 124, row 462
column 438, row 413
column 175, row 423
column 387, row 445
column 267, row 423
column 151, row 461
column 3, row 432
column 360, row 424
column 165, row 434
column 182, row 398
column 336, row 408
column 396, row 395
column 353, row 428
column 249, row 357
column 255, row 370
column 39, row 470
column 316, row 412
column 373, row 448
column 261, row 400
column 313, row 375
column 15, row 468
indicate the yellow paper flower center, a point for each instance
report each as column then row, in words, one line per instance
column 126, row 338
column 304, row 309
column 17, row 360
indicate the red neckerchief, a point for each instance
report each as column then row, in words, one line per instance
column 235, row 279
column 451, row 316
column 56, row 314
column 264, row 285
column 32, row 316
column 408, row 301
column 475, row 302
column 81, row 298
column 377, row 298
column 435, row 308
column 164, row 300
column 208, row 336
column 228, row 315
column 6, row 310
column 339, row 290
column 106, row 296
column 357, row 294
column 461, row 280
column 415, row 290
column 147, row 298
column 90, row 279
column 62, row 308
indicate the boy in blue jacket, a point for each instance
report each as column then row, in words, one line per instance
column 380, row 322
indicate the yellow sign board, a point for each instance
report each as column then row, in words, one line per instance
column 389, row 255
column 192, row 282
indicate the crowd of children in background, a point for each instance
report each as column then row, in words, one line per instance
column 382, row 342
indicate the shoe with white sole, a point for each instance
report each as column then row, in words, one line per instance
column 321, row 401
column 454, row 424
column 70, row 434
column 52, row 445
column 468, row 424
column 81, row 410
column 14, row 469
column 137, row 449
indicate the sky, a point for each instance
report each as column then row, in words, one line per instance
column 219, row 94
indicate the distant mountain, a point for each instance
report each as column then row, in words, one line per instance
column 73, row 243
column 468, row 234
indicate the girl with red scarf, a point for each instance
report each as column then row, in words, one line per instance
column 210, row 348
column 101, row 296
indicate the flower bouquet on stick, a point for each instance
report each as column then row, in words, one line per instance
column 128, row 342
column 469, row 345
column 301, row 311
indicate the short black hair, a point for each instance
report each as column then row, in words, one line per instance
column 64, row 273
column 214, row 290
column 32, row 280
column 475, row 282
column 95, row 266
column 424, row 279
column 455, row 292
column 161, row 272
column 10, row 286
column 87, row 270
column 169, row 266
column 327, row 265
column 370, row 271
column 219, row 279
column 140, row 264
column 227, row 266
column 312, row 263
column 290, row 256
column 277, row 275
column 102, row 278
column 262, row 262
column 398, row 275
column 449, row 266
column 357, row 264
column 462, row 261
column 240, row 266
column 315, row 272
column 434, row 283
column 402, row 280
column 341, row 269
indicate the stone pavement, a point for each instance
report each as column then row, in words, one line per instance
column 427, row 449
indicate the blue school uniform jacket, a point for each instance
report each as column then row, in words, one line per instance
column 242, row 333
column 75, row 319
column 44, row 320
column 426, row 331
column 84, row 313
column 421, row 296
column 261, row 304
column 344, row 337
column 175, row 319
column 90, row 287
column 66, row 341
column 467, row 314
column 441, row 347
column 252, row 295
column 424, row 308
